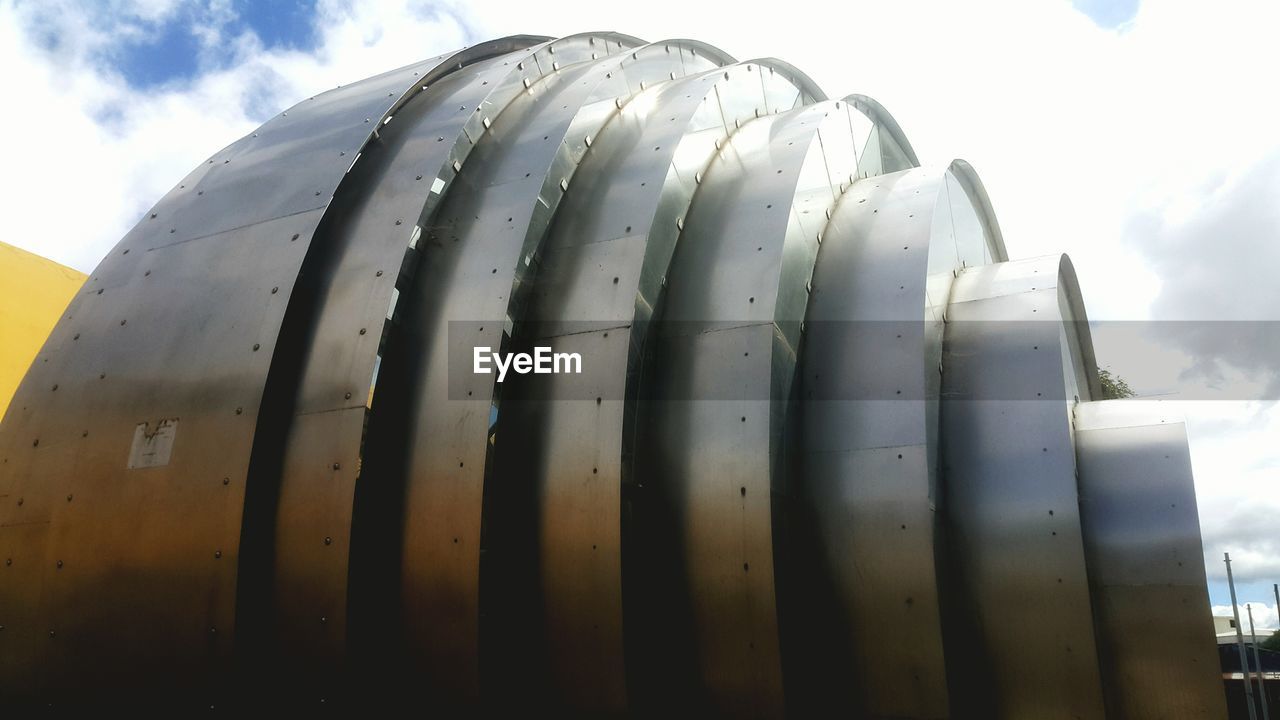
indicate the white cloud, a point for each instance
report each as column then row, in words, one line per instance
column 1264, row 616
column 1125, row 148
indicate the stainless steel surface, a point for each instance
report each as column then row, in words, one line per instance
column 599, row 277
column 251, row 468
column 1019, row 585
column 170, row 325
column 1142, row 543
column 720, row 379
column 866, row 490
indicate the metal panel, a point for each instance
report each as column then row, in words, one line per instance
column 867, row 625
column 251, row 467
column 1142, row 542
column 599, row 276
column 1021, row 639
column 399, row 182
column 480, row 254
column 710, row 440
column 171, row 325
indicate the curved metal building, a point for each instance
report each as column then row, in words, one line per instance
column 829, row 450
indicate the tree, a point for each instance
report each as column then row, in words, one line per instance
column 1113, row 386
column 1271, row 643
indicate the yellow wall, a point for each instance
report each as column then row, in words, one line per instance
column 33, row 293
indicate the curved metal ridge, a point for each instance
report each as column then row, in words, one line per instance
column 820, row 458
column 1010, row 373
column 1137, row 493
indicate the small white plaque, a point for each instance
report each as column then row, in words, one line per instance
column 152, row 446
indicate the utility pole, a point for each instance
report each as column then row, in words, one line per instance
column 1244, row 658
column 1257, row 660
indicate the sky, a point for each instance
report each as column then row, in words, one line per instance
column 1137, row 136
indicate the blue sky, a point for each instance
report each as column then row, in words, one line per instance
column 1096, row 133
column 170, row 50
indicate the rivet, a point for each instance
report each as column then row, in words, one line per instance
column 69, row 498
column 55, row 388
column 213, row 631
column 378, row 274
column 275, row 290
column 8, row 561
column 328, row 541
column 337, row 466
column 363, row 331
column 347, row 396
column 226, row 481
column 239, row 410
column 123, row 322
column 323, row 620
column 418, row 177
column 153, row 215
column 52, row 634
column 172, row 230
column 146, row 274
column 217, row 554
column 295, row 235
column 256, row 346
column 399, row 222
column 59, row 563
